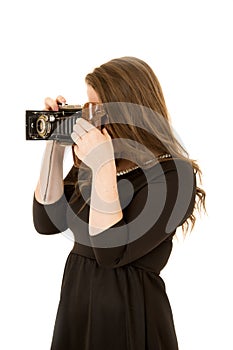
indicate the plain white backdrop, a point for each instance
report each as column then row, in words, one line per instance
column 47, row 48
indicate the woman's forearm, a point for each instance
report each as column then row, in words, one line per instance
column 105, row 208
column 50, row 185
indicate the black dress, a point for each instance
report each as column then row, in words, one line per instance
column 112, row 297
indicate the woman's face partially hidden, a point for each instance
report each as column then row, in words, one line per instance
column 92, row 95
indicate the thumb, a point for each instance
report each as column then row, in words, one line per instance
column 104, row 131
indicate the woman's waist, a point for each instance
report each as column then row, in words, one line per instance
column 83, row 250
column 142, row 263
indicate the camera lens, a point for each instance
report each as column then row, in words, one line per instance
column 43, row 126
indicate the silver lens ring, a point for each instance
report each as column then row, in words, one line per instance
column 43, row 126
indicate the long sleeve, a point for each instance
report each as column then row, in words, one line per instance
column 51, row 218
column 154, row 203
column 154, row 213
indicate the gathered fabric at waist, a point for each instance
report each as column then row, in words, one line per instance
column 83, row 250
column 141, row 263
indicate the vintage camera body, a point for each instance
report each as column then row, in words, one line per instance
column 58, row 125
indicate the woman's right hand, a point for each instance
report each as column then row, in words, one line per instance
column 53, row 105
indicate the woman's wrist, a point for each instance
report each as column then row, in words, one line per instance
column 105, row 181
column 105, row 197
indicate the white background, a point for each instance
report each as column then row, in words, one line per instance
column 47, row 48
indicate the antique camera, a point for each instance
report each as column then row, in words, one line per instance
column 58, row 125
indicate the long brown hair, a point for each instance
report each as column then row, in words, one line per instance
column 127, row 87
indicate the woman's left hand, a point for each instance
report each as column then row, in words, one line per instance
column 93, row 147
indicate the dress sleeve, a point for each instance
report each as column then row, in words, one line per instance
column 157, row 208
column 51, row 218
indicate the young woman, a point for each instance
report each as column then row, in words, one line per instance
column 132, row 184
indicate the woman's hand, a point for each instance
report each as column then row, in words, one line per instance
column 53, row 105
column 93, row 147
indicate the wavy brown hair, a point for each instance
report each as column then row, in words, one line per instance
column 133, row 97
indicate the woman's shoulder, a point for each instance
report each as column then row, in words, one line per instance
column 179, row 166
column 173, row 169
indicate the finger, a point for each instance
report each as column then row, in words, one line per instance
column 84, row 124
column 78, row 153
column 106, row 134
column 76, row 149
column 79, row 130
column 50, row 104
column 60, row 99
column 75, row 137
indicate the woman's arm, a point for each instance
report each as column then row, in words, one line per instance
column 105, row 208
column 51, row 218
column 50, row 201
column 152, row 216
column 50, row 185
column 95, row 149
